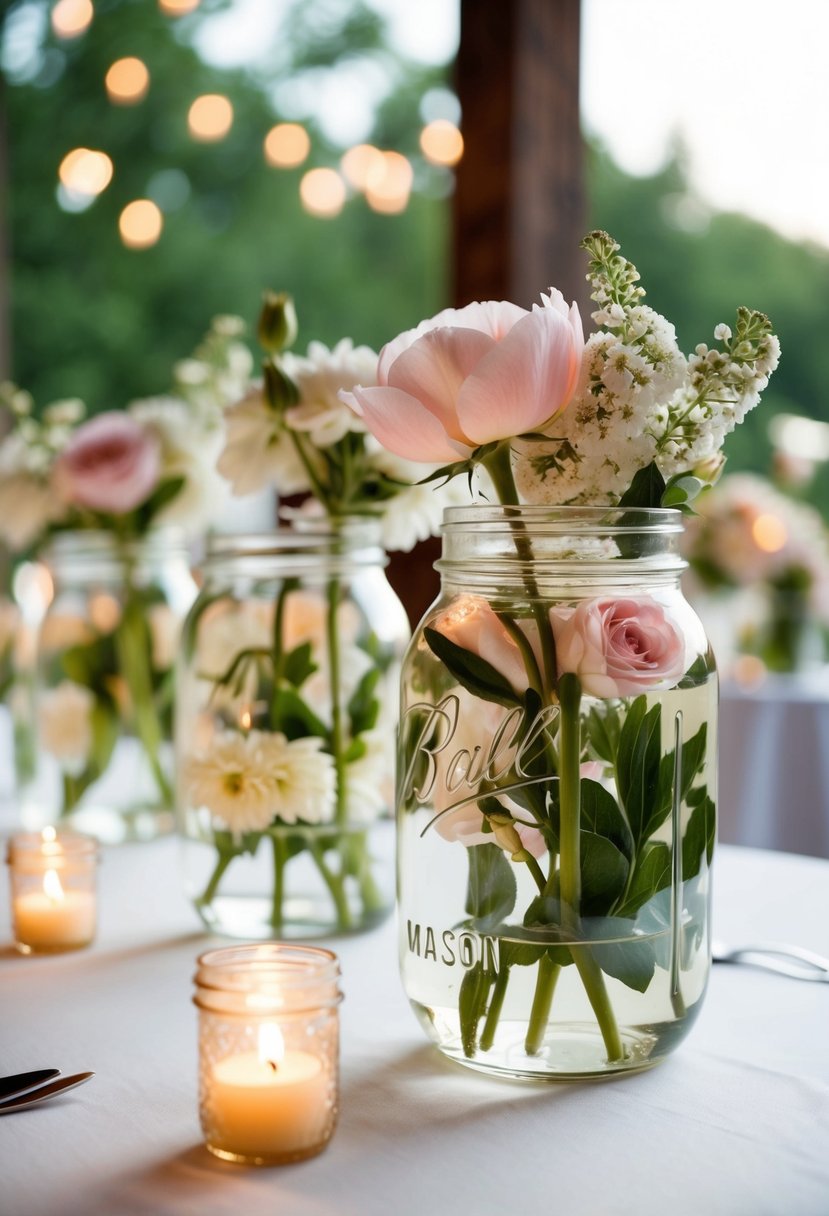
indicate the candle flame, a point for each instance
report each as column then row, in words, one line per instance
column 51, row 886
column 246, row 719
column 271, row 1045
column 48, row 835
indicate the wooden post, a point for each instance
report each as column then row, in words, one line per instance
column 5, row 260
column 519, row 203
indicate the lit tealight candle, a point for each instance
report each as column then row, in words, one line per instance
column 268, row 1089
column 271, row 1102
column 53, row 891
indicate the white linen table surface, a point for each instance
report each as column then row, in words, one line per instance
column 735, row 1123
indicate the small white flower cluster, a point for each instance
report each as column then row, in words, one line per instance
column 639, row 400
column 28, row 503
column 250, row 781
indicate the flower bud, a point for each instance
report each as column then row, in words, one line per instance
column 709, row 469
column 277, row 328
column 505, row 834
column 280, row 390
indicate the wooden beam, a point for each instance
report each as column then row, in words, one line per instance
column 519, row 208
column 5, row 227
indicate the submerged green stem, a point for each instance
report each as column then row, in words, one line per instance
column 334, row 883
column 493, row 1014
column 545, row 986
column 280, row 859
column 209, row 893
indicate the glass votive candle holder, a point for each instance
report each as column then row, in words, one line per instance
column 53, row 890
column 268, row 1051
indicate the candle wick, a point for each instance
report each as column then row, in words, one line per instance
column 273, row 1064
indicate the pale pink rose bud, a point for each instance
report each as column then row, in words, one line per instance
column 110, row 464
column 472, row 624
column 618, row 648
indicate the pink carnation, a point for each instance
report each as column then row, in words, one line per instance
column 618, row 648
column 110, row 464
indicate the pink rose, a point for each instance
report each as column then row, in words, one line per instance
column 472, row 375
column 472, row 624
column 618, row 648
column 110, row 464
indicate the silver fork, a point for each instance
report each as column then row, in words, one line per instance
column 780, row 957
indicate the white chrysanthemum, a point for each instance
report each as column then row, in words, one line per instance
column 250, row 781
column 65, row 723
column 258, row 451
column 189, row 450
column 416, row 512
column 370, row 779
column 320, row 376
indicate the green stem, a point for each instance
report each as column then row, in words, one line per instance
column 335, row 886
column 279, row 859
column 569, row 691
column 545, row 986
column 496, row 1004
column 522, row 642
column 133, row 648
column 337, row 733
column 207, row 896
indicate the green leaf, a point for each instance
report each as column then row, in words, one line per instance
column 603, row 727
column 682, row 489
column 471, row 671
column 298, row 665
column 698, row 673
column 106, row 728
column 472, row 998
column 363, row 707
column 293, row 718
column 162, row 497
column 627, row 958
column 190, row 629
column 698, row 841
column 638, row 770
column 652, row 874
column 600, row 814
column 519, row 954
column 604, row 872
column 645, row 490
column 492, row 888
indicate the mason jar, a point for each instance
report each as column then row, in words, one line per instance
column 557, row 793
column 286, row 713
column 100, row 701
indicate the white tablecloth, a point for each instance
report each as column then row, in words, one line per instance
column 736, row 1123
column 774, row 764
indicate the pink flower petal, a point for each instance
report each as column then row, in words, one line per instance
column 526, row 379
column 403, row 425
column 434, row 368
column 493, row 317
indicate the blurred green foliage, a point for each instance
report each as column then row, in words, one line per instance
column 96, row 320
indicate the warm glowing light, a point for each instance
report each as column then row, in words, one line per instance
column 322, row 192
column 271, row 1044
column 287, row 145
column 769, row 533
column 390, row 185
column 210, row 117
column 441, row 142
column 71, row 17
column 85, row 172
column 48, row 835
column 245, row 719
column 104, row 612
column 360, row 163
column 140, row 224
column 127, row 81
column 177, row 8
column 52, row 888
column 749, row 670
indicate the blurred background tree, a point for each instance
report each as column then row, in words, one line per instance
column 93, row 318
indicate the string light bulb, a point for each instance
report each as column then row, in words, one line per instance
column 127, row 81
column 70, row 18
column 140, row 224
column 287, row 145
column 210, row 117
column 85, row 172
column 322, row 192
column 441, row 142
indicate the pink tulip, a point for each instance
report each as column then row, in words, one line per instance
column 618, row 648
column 110, row 464
column 473, row 375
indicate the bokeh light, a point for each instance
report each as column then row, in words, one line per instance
column 71, row 17
column 127, row 81
column 769, row 533
column 360, row 163
column 287, row 145
column 390, row 184
column 322, row 192
column 177, row 8
column 441, row 142
column 210, row 117
column 85, row 172
column 140, row 224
